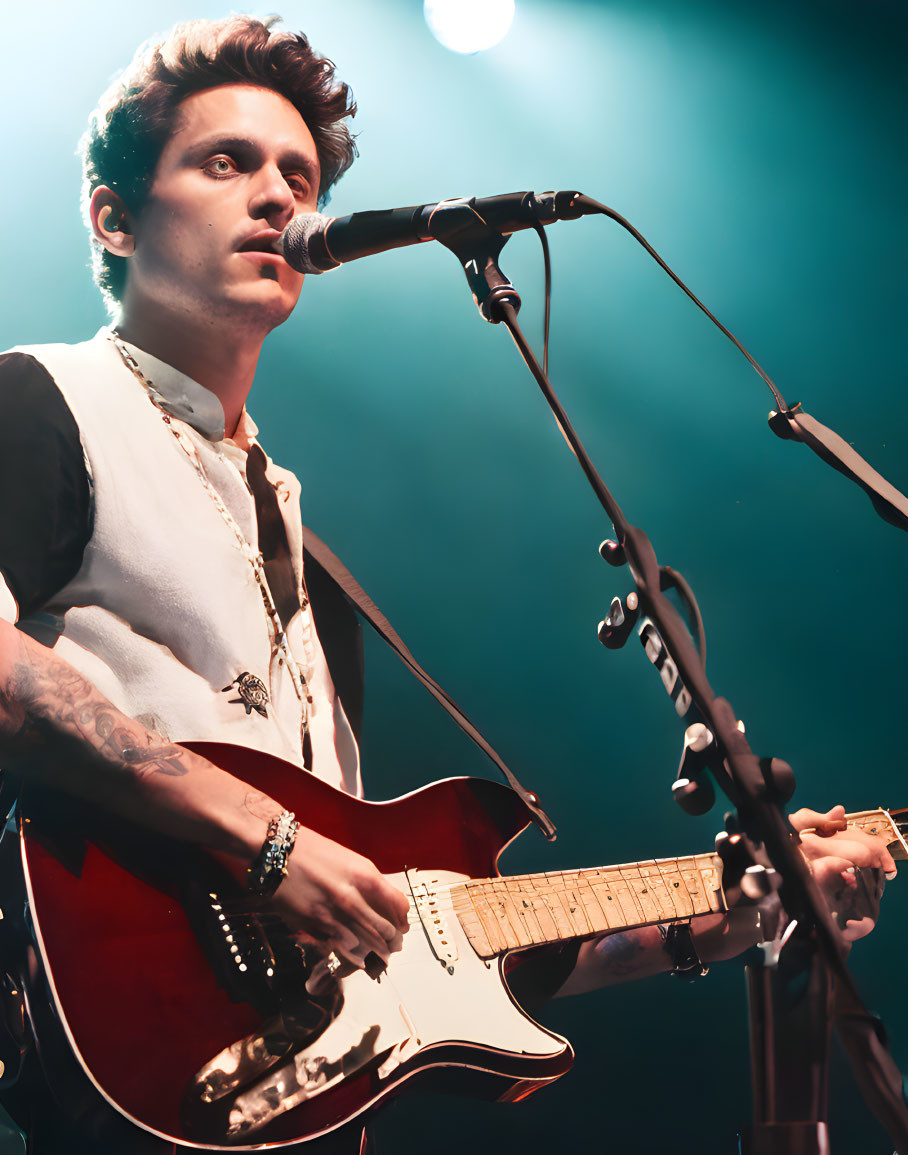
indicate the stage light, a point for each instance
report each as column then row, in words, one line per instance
column 469, row 25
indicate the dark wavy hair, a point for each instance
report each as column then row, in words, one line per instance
column 134, row 118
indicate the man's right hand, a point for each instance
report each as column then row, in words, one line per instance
column 60, row 732
column 340, row 901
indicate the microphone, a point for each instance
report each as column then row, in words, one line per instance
column 313, row 243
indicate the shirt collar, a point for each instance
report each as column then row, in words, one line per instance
column 187, row 400
column 246, row 432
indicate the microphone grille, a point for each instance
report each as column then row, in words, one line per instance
column 296, row 242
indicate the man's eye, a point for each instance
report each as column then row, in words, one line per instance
column 220, row 166
column 298, row 184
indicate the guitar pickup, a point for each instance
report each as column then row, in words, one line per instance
column 435, row 922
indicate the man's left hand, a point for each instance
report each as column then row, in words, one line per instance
column 849, row 865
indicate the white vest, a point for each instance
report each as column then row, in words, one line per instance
column 165, row 611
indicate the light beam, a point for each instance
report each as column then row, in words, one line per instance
column 469, row 25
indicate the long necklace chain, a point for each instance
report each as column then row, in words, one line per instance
column 256, row 561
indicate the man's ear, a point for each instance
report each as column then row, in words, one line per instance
column 110, row 222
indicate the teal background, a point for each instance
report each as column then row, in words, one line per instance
column 760, row 148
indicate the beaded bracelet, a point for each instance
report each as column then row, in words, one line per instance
column 270, row 865
column 678, row 944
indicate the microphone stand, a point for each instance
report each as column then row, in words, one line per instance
column 788, row 1085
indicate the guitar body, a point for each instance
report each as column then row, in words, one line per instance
column 143, row 1008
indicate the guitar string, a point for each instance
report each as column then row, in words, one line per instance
column 444, row 895
column 445, row 891
column 561, row 883
column 557, row 880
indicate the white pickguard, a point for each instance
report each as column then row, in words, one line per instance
column 418, row 1003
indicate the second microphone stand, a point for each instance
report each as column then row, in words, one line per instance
column 789, row 1033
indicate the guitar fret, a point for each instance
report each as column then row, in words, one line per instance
column 518, row 912
column 568, row 926
column 502, row 914
column 577, row 910
column 644, row 897
column 517, row 916
column 636, row 891
column 468, row 916
column 680, row 900
column 498, row 903
column 611, row 909
column 694, row 884
column 688, row 898
column 630, row 908
column 488, row 920
column 665, row 908
column 591, row 904
column 543, row 913
column 708, row 882
column 654, row 896
column 525, row 903
column 558, row 910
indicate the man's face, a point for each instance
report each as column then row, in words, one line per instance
column 239, row 165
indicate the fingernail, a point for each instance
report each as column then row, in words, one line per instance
column 891, row 874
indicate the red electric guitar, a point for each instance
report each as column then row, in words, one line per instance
column 187, row 1011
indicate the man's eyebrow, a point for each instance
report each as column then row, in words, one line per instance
column 246, row 146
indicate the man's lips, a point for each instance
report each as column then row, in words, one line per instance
column 267, row 242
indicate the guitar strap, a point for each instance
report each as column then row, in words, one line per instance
column 367, row 608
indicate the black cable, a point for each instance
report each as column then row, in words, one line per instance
column 597, row 206
column 672, row 579
column 547, row 262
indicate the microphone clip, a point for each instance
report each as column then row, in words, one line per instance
column 477, row 245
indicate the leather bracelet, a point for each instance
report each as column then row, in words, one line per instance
column 266, row 873
column 678, row 944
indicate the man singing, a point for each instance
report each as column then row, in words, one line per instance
column 151, row 555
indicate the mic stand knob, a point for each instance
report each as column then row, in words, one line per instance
column 616, row 628
column 779, row 778
column 612, row 552
column 692, row 789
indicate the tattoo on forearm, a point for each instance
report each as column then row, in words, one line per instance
column 157, row 760
column 54, row 701
column 260, row 805
column 619, row 954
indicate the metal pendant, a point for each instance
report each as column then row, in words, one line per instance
column 252, row 693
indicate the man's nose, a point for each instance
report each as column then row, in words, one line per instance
column 272, row 198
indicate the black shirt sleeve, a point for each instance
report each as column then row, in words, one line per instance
column 536, row 975
column 45, row 492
